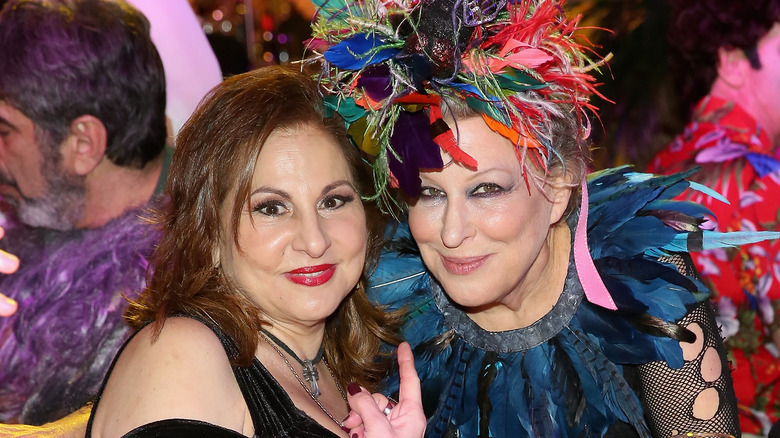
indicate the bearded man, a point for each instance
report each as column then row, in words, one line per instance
column 82, row 154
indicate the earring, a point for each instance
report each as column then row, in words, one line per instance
column 80, row 127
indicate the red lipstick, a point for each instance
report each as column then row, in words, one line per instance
column 311, row 275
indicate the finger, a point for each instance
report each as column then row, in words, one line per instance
column 7, row 306
column 356, row 432
column 353, row 420
column 364, row 404
column 409, row 388
column 9, row 263
column 381, row 401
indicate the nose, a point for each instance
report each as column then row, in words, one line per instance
column 312, row 237
column 456, row 224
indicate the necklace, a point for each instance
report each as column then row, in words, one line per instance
column 268, row 338
column 310, row 373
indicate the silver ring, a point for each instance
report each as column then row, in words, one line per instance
column 388, row 408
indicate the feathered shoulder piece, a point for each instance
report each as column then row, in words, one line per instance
column 391, row 65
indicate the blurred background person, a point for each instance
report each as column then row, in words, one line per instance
column 727, row 61
column 82, row 140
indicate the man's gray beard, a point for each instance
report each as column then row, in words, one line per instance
column 61, row 207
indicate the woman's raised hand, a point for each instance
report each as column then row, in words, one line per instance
column 375, row 416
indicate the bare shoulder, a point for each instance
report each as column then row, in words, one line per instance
column 184, row 373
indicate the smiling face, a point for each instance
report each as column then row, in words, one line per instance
column 481, row 233
column 302, row 244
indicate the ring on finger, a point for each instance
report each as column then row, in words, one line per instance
column 388, row 408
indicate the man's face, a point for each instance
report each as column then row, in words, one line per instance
column 32, row 179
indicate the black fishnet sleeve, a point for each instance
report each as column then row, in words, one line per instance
column 699, row 397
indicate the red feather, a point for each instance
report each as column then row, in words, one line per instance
column 443, row 136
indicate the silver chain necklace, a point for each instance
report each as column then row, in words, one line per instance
column 303, row 385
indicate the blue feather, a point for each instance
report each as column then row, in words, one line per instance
column 714, row 239
column 708, row 191
column 614, row 390
column 359, row 51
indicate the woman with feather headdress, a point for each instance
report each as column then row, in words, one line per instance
column 540, row 301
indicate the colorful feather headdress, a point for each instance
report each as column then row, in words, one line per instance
column 390, row 63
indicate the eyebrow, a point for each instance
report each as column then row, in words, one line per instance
column 325, row 189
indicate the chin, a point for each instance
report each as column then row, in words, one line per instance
column 466, row 295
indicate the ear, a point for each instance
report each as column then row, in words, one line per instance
column 732, row 67
column 85, row 147
column 559, row 196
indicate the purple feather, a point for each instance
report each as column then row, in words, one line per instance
column 411, row 140
column 375, row 81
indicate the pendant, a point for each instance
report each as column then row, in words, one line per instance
column 311, row 375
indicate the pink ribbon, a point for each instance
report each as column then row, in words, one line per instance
column 594, row 288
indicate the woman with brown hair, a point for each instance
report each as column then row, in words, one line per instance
column 255, row 320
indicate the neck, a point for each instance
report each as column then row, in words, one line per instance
column 111, row 190
column 305, row 342
column 747, row 100
column 539, row 291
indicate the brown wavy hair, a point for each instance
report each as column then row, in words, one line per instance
column 216, row 152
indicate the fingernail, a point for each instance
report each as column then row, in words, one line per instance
column 9, row 262
column 345, row 429
column 7, row 306
column 354, row 435
column 353, row 388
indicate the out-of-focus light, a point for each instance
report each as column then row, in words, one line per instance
column 240, row 9
column 208, row 28
column 267, row 22
column 226, row 26
column 284, row 57
column 268, row 36
column 282, row 38
column 217, row 15
column 268, row 57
